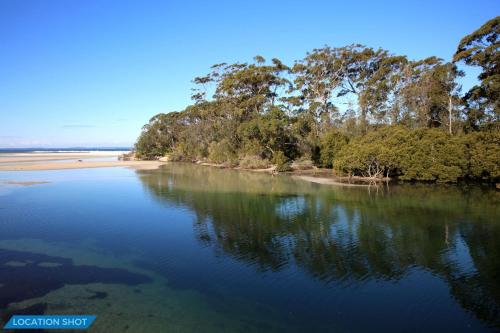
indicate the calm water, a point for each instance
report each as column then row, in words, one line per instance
column 189, row 248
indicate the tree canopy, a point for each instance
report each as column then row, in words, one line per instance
column 359, row 110
column 481, row 48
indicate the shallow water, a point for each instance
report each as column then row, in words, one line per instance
column 190, row 248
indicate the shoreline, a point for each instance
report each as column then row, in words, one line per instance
column 51, row 161
column 64, row 161
column 45, row 157
column 314, row 175
column 79, row 160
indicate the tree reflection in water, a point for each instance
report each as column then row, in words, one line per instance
column 345, row 235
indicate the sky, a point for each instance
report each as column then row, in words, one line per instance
column 92, row 73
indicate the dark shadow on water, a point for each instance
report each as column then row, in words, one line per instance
column 25, row 275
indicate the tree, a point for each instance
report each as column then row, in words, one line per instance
column 481, row 48
column 360, row 110
column 251, row 88
column 362, row 78
column 331, row 144
column 379, row 98
column 429, row 93
column 268, row 134
column 317, row 76
column 483, row 149
column 160, row 135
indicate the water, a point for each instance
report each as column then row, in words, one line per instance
column 191, row 248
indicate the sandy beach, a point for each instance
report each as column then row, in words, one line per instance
column 50, row 156
column 60, row 161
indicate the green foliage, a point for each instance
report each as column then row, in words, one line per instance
column 252, row 147
column 432, row 155
column 484, row 150
column 184, row 152
column 421, row 155
column 157, row 138
column 222, row 152
column 481, row 48
column 263, row 135
column 403, row 118
column 282, row 162
column 369, row 155
column 331, row 144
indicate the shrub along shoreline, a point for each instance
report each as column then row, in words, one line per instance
column 425, row 155
column 360, row 111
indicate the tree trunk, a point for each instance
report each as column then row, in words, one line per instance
column 450, row 109
column 363, row 120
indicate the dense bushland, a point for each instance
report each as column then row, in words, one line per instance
column 358, row 110
column 421, row 154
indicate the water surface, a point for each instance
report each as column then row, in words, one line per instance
column 190, row 248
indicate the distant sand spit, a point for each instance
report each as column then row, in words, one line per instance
column 25, row 183
column 38, row 157
column 52, row 161
column 81, row 165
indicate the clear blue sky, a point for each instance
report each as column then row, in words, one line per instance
column 91, row 73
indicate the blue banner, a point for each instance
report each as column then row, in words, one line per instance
column 23, row 322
